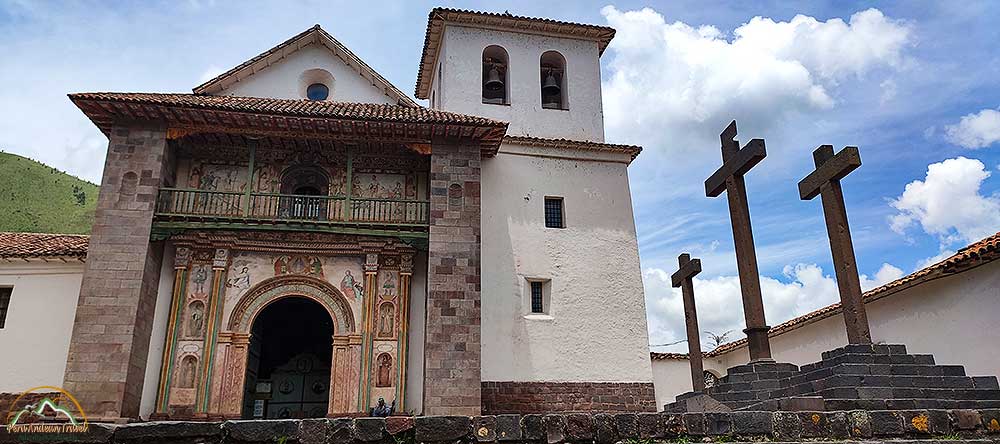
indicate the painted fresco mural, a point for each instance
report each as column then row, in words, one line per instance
column 223, row 290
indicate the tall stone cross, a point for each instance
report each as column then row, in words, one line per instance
column 825, row 182
column 729, row 178
column 683, row 278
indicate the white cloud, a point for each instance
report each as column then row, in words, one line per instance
column 719, row 302
column 210, row 73
column 887, row 273
column 692, row 80
column 927, row 262
column 889, row 90
column 976, row 130
column 948, row 204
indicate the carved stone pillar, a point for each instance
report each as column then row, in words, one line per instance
column 182, row 260
column 405, row 274
column 368, row 330
column 236, row 346
column 214, row 316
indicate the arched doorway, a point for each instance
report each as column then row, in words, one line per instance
column 288, row 365
column 345, row 343
column 307, row 186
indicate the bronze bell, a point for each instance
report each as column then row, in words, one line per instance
column 493, row 82
column 551, row 86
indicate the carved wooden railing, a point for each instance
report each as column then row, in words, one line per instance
column 182, row 203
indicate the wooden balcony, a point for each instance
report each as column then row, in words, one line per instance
column 187, row 208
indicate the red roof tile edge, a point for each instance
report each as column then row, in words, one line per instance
column 43, row 245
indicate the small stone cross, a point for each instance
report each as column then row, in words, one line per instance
column 729, row 178
column 683, row 278
column 825, row 182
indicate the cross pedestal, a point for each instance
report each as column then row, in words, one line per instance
column 729, row 178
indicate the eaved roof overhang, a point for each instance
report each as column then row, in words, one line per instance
column 187, row 114
column 439, row 17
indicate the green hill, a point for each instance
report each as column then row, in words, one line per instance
column 35, row 197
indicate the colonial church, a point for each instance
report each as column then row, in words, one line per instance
column 300, row 238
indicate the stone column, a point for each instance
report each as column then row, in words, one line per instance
column 368, row 330
column 452, row 348
column 114, row 314
column 402, row 334
column 182, row 260
column 216, row 300
column 236, row 347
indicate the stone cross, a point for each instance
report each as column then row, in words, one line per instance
column 683, row 278
column 729, row 178
column 825, row 182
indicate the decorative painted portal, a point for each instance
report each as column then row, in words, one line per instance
column 223, row 281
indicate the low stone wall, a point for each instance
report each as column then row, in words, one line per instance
column 919, row 425
column 546, row 397
column 7, row 400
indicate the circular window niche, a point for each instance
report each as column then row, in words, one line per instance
column 316, row 84
column 317, row 91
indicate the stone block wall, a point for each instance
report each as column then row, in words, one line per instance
column 452, row 348
column 548, row 397
column 916, row 426
column 111, row 332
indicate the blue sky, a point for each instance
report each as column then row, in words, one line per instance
column 913, row 84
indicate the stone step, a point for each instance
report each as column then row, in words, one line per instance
column 870, row 349
column 907, row 404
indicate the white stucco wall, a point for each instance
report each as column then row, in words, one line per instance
column 954, row 318
column 158, row 335
column 460, row 89
column 414, row 401
column 283, row 79
column 34, row 343
column 595, row 329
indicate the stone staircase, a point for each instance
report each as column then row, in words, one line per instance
column 854, row 377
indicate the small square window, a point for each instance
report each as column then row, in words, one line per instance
column 554, row 212
column 537, row 297
column 4, row 303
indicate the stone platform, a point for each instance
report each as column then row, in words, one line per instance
column 917, row 426
column 854, row 377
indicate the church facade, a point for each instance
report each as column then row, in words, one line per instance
column 299, row 238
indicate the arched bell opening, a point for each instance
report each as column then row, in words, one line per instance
column 288, row 362
column 496, row 83
column 305, row 191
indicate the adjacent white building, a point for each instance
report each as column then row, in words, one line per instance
column 949, row 309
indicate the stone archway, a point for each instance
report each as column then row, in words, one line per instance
column 346, row 342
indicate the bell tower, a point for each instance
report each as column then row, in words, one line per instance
column 542, row 76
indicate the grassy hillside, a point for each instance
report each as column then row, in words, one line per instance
column 35, row 197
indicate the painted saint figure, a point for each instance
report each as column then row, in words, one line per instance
column 240, row 281
column 349, row 286
column 386, row 320
column 315, row 266
column 199, row 278
column 188, row 372
column 196, row 320
column 281, row 265
column 384, row 376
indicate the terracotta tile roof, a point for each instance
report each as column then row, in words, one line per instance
column 506, row 21
column 631, row 150
column 185, row 114
column 316, row 34
column 293, row 107
column 979, row 253
column 667, row 356
column 43, row 246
